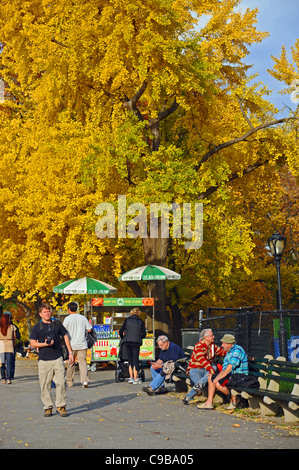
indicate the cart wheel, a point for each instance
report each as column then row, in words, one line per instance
column 119, row 376
column 93, row 367
column 141, row 375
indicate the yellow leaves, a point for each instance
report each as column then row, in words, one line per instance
column 87, row 133
column 284, row 70
column 236, row 30
column 49, row 214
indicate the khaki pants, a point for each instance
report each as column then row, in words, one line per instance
column 80, row 354
column 49, row 371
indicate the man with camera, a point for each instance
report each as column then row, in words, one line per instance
column 45, row 337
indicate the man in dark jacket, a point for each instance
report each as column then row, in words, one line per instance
column 132, row 333
column 169, row 352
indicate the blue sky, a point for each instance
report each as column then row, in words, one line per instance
column 281, row 20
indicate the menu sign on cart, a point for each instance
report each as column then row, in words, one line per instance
column 123, row 302
column 108, row 350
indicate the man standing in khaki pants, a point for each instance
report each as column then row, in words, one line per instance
column 77, row 325
column 45, row 337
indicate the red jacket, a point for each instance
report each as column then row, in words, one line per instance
column 203, row 355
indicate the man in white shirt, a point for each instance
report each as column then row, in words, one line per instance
column 77, row 325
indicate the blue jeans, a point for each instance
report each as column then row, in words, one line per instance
column 197, row 376
column 158, row 379
column 7, row 366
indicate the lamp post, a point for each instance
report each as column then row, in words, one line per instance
column 277, row 244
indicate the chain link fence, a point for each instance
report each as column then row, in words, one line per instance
column 255, row 331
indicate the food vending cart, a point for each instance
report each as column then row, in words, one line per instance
column 107, row 316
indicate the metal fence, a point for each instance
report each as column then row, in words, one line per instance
column 255, row 331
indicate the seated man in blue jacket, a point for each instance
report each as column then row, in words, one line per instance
column 169, row 352
column 235, row 362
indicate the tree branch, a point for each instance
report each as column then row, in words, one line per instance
column 237, row 140
column 131, row 103
column 243, row 112
column 163, row 115
column 58, row 42
column 196, row 297
column 245, row 171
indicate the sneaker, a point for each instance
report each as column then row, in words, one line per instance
column 62, row 411
column 186, row 401
column 48, row 412
column 8, row 381
column 148, row 390
column 197, row 387
column 85, row 385
column 231, row 406
column 131, row 380
column 137, row 381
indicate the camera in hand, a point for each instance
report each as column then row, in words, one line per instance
column 48, row 339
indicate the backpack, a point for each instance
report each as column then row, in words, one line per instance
column 243, row 381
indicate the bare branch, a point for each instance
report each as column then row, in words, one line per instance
column 237, row 140
column 58, row 42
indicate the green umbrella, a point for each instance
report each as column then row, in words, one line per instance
column 85, row 285
column 150, row 272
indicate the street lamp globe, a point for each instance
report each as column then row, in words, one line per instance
column 277, row 244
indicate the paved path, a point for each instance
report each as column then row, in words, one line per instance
column 110, row 415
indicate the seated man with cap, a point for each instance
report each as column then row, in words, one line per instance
column 235, row 361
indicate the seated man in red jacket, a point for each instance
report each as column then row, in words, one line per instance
column 200, row 365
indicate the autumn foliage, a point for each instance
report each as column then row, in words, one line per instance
column 143, row 98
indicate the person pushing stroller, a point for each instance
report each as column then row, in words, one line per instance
column 132, row 333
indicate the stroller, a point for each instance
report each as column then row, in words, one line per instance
column 179, row 375
column 122, row 365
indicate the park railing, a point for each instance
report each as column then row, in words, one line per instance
column 256, row 331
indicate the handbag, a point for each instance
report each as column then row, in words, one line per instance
column 91, row 338
column 65, row 353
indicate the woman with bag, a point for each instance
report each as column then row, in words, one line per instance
column 7, row 341
column 132, row 333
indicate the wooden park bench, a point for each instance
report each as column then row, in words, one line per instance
column 279, row 387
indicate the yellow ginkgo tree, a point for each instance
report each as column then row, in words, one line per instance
column 107, row 98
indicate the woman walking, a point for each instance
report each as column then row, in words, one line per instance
column 132, row 333
column 7, row 340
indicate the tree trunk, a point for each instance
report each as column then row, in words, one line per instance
column 28, row 315
column 155, row 252
column 177, row 324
